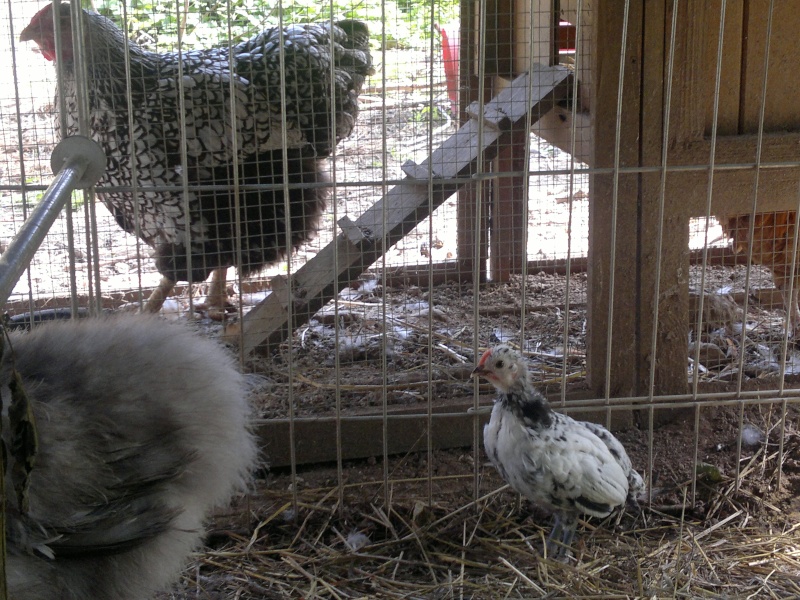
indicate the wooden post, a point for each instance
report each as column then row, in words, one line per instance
column 637, row 312
column 509, row 210
column 619, row 311
column 472, row 219
column 670, row 310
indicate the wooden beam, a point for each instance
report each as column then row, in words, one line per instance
column 315, row 439
column 734, row 190
column 662, row 329
column 472, row 209
column 617, row 302
column 426, row 187
column 407, row 431
column 510, row 207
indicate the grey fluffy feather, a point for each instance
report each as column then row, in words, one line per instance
column 143, row 429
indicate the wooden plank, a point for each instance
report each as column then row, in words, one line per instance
column 603, row 214
column 362, row 436
column 731, row 74
column 784, row 53
column 665, row 265
column 733, row 190
column 777, row 147
column 315, row 439
column 556, row 128
column 510, row 208
column 404, row 206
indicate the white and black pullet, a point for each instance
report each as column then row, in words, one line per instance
column 566, row 466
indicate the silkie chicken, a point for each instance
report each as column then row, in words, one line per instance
column 143, row 428
column 325, row 66
column 568, row 467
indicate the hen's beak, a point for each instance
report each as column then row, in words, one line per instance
column 29, row 33
column 478, row 371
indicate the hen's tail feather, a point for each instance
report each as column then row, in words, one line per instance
column 358, row 60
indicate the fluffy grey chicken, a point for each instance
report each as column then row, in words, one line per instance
column 143, row 429
column 324, row 69
column 566, row 466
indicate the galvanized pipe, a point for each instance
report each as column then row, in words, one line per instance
column 79, row 163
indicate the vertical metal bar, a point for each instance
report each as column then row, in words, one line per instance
column 20, row 147
column 81, row 96
column 289, row 304
column 184, row 158
column 662, row 192
column 756, row 179
column 660, row 229
column 134, row 183
column 81, row 73
column 709, row 195
column 573, row 145
column 476, row 266
column 429, row 403
column 236, row 159
column 660, row 234
column 532, row 33
column 751, row 230
column 337, row 364
column 384, row 218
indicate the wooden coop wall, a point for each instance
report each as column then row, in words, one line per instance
column 664, row 177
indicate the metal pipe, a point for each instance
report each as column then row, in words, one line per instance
column 82, row 165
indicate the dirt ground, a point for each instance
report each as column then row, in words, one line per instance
column 445, row 527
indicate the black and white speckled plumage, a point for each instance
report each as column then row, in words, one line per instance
column 569, row 467
column 317, row 58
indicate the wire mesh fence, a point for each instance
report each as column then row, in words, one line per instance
column 594, row 235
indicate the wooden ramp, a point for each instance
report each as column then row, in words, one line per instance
column 426, row 187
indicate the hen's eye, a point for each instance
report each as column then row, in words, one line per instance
column 499, row 364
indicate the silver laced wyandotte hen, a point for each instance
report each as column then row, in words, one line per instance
column 324, row 69
column 143, row 428
column 568, row 467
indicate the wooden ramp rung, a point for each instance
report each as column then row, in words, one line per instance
column 426, row 187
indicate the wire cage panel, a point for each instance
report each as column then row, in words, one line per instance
column 587, row 223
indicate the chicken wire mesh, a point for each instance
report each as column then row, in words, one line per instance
column 377, row 381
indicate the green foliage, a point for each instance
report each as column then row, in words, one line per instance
column 428, row 113
column 156, row 23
